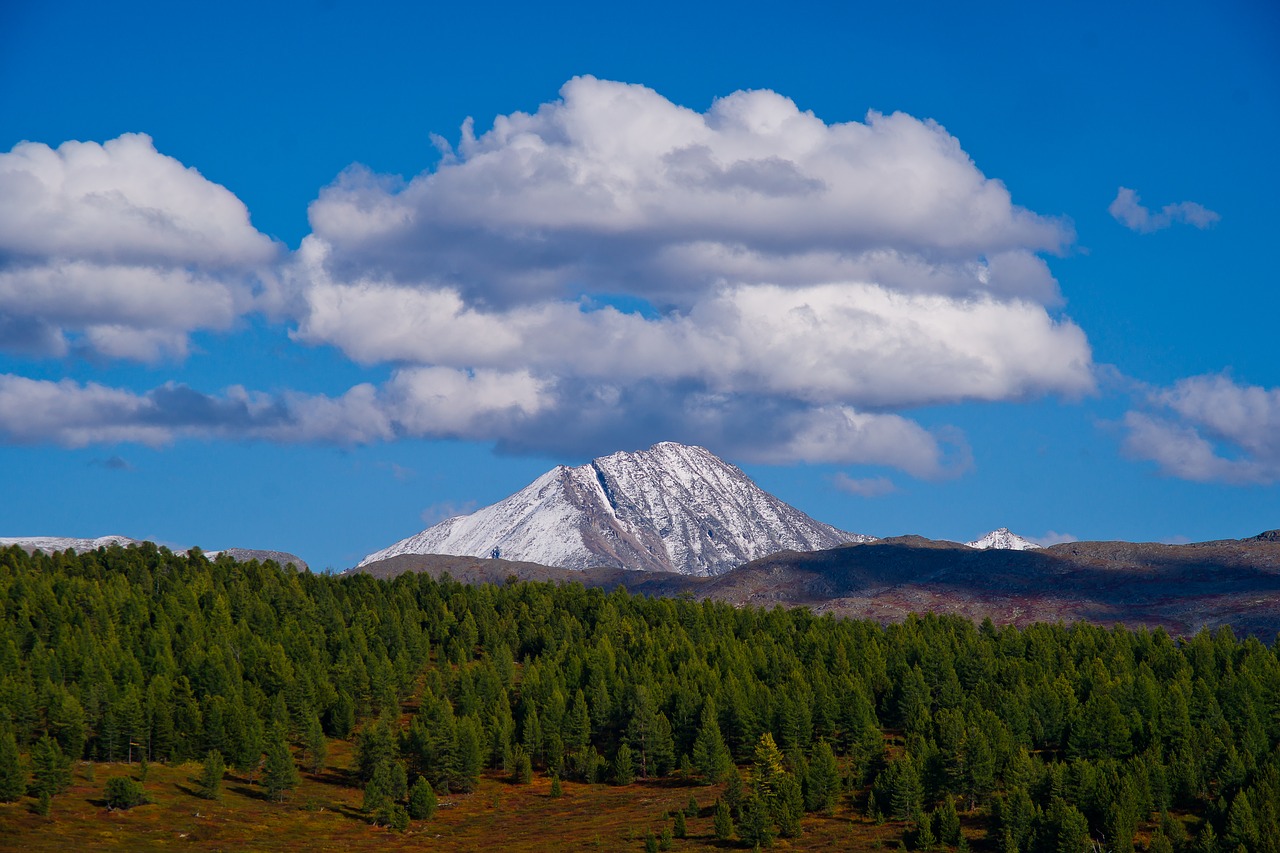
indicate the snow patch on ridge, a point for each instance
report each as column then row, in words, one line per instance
column 1002, row 539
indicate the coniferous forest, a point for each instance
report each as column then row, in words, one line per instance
column 953, row 735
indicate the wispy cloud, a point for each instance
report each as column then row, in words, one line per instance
column 866, row 487
column 1209, row 429
column 437, row 513
column 1128, row 210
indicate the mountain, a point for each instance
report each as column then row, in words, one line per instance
column 671, row 508
column 1003, row 540
column 52, row 544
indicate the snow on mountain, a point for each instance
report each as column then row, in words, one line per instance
column 1004, row 540
column 670, row 508
column 58, row 544
column 51, row 544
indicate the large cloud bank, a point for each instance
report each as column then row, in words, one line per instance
column 609, row 270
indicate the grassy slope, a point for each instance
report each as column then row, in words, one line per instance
column 324, row 814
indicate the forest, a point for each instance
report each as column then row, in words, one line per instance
column 958, row 736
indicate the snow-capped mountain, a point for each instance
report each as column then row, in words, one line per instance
column 671, row 508
column 57, row 544
column 52, row 544
column 1002, row 539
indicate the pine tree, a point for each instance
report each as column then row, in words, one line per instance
column 1242, row 826
column 315, row 744
column 823, row 786
column 50, row 769
column 13, row 778
column 624, row 771
column 379, row 791
column 757, row 829
column 556, row 790
column 710, row 753
column 522, row 766
column 723, row 823
column 279, row 774
column 948, row 822
column 422, row 800
column 789, row 808
column 209, row 785
column 681, row 827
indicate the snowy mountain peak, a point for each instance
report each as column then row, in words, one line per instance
column 673, row 508
column 1002, row 539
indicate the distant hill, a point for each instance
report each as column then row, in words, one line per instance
column 1181, row 588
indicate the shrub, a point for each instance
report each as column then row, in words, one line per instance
column 124, row 793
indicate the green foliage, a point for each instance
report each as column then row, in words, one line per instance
column 209, row 783
column 50, row 769
column 121, row 792
column 522, row 769
column 422, row 800
column 624, row 771
column 664, row 838
column 137, row 653
column 398, row 818
column 680, row 827
column 556, row 790
column 13, row 778
column 279, row 773
column 722, row 825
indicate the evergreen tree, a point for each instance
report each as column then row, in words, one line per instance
column 789, row 808
column 624, row 771
column 1242, row 826
column 50, row 769
column 722, row 825
column 757, row 828
column 422, row 800
column 556, row 790
column 379, row 791
column 279, row 773
column 13, row 778
column 521, row 766
column 947, row 822
column 822, row 787
column 710, row 753
column 314, row 744
column 209, row 785
column 680, row 828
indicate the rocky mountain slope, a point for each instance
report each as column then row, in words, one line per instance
column 671, row 508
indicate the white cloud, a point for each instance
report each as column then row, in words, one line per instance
column 828, row 276
column 866, row 487
column 1128, row 210
column 796, row 286
column 613, row 188
column 120, row 247
column 1210, row 429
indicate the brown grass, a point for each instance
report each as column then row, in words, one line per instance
column 324, row 814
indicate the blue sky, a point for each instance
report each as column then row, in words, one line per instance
column 906, row 291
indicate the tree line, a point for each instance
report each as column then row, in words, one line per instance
column 1050, row 738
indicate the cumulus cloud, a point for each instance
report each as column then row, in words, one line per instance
column 613, row 188
column 866, row 487
column 1209, row 429
column 120, row 250
column 1128, row 210
column 810, row 279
